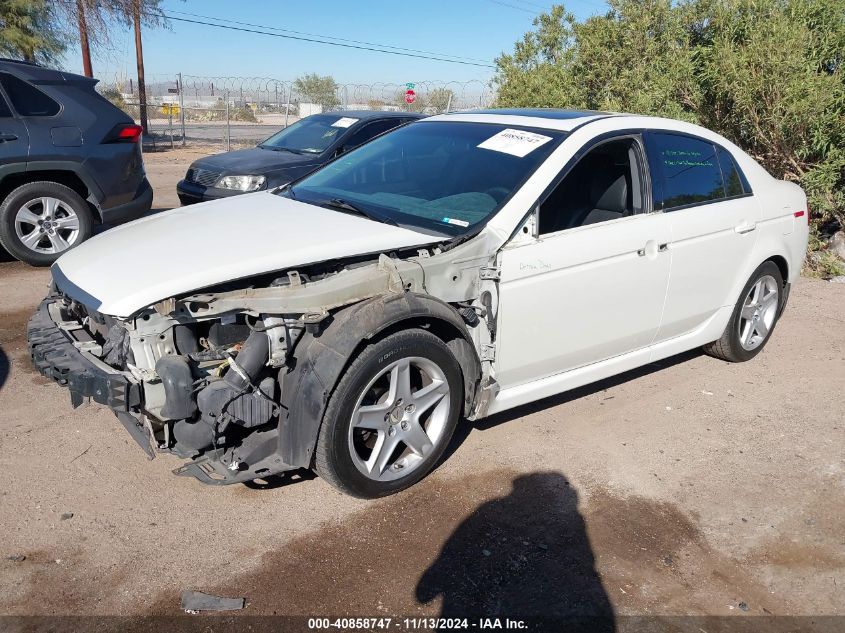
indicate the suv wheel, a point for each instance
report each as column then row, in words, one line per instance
column 391, row 416
column 41, row 220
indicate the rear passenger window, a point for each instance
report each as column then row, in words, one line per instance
column 686, row 171
column 4, row 108
column 26, row 99
column 730, row 172
column 371, row 130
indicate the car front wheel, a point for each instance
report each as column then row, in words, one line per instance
column 41, row 220
column 391, row 416
column 754, row 317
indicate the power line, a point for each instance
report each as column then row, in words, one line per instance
column 325, row 37
column 319, row 41
column 534, row 4
column 523, row 4
column 513, row 6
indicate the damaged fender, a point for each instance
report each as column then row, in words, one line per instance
column 321, row 357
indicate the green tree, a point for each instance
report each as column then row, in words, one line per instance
column 440, row 98
column 771, row 75
column 316, row 89
column 28, row 31
column 767, row 74
column 637, row 58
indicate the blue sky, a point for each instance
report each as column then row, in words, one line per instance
column 468, row 28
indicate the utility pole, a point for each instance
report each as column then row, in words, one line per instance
column 83, row 39
column 181, row 106
column 228, row 129
column 139, row 57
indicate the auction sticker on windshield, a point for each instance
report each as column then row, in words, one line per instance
column 515, row 142
column 345, row 122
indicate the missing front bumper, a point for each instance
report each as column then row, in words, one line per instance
column 57, row 352
column 57, row 345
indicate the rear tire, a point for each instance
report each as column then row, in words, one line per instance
column 754, row 317
column 40, row 221
column 391, row 415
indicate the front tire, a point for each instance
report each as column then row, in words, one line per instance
column 391, row 416
column 754, row 317
column 39, row 221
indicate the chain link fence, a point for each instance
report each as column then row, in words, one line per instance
column 236, row 112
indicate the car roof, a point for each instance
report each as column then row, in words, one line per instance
column 544, row 113
column 374, row 114
column 549, row 118
column 35, row 73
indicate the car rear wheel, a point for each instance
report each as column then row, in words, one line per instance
column 391, row 416
column 754, row 317
column 41, row 220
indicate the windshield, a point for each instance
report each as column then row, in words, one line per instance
column 311, row 135
column 443, row 176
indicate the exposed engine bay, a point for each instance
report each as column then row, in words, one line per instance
column 236, row 377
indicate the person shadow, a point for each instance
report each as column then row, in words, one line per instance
column 524, row 556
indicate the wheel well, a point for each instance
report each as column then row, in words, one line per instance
column 66, row 178
column 455, row 340
column 780, row 262
column 441, row 329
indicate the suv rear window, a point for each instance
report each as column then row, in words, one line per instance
column 4, row 108
column 26, row 99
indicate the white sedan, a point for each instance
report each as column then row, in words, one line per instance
column 457, row 267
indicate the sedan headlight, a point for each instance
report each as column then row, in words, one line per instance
column 241, row 183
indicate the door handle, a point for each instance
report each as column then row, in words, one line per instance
column 745, row 227
column 651, row 249
column 8, row 137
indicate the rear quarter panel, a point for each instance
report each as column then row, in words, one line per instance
column 116, row 168
column 780, row 233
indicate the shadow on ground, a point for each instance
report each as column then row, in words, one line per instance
column 535, row 560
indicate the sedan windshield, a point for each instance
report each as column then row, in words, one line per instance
column 311, row 135
column 442, row 176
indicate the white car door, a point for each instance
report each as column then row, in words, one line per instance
column 712, row 217
column 592, row 284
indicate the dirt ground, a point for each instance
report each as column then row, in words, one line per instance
column 689, row 487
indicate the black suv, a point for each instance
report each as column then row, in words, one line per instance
column 68, row 159
column 288, row 155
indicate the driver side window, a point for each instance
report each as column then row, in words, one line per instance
column 605, row 184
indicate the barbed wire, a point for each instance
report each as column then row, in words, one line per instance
column 197, row 89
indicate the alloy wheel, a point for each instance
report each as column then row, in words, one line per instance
column 399, row 419
column 758, row 312
column 47, row 225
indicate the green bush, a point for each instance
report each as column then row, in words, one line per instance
column 242, row 114
column 766, row 74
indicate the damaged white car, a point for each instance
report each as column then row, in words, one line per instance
column 457, row 267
